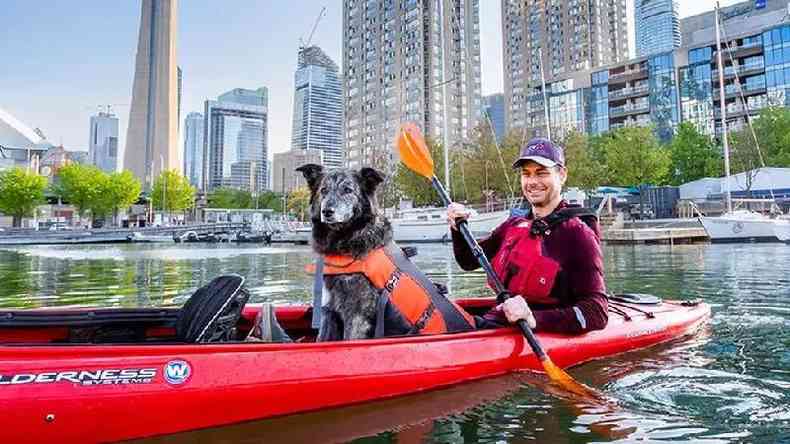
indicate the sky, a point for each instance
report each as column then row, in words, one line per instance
column 64, row 58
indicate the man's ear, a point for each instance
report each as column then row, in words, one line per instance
column 312, row 173
column 371, row 179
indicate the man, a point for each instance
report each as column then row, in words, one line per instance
column 549, row 257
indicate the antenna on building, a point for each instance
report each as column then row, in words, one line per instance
column 302, row 43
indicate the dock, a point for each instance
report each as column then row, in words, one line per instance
column 659, row 231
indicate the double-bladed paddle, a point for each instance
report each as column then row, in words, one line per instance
column 415, row 155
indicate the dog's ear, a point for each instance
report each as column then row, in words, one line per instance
column 370, row 179
column 312, row 174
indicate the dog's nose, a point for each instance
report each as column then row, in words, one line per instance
column 327, row 212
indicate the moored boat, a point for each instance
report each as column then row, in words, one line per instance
column 112, row 374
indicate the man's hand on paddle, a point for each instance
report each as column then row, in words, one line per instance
column 455, row 212
column 516, row 308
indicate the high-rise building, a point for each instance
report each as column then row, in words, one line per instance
column 570, row 36
column 193, row 149
column 699, row 27
column 103, row 142
column 408, row 60
column 236, row 146
column 284, row 176
column 180, row 79
column 494, row 108
column 657, row 26
column 152, row 135
column 318, row 106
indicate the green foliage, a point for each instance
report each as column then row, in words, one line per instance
column 225, row 197
column 773, row 131
column 586, row 170
column 693, row 155
column 172, row 192
column 81, row 186
column 93, row 191
column 20, row 193
column 298, row 203
column 632, row 156
column 123, row 190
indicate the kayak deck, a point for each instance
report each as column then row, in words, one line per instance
column 56, row 389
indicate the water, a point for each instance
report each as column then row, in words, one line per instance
column 730, row 383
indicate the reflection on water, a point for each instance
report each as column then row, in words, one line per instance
column 730, row 383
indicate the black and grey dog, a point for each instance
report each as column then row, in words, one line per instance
column 346, row 221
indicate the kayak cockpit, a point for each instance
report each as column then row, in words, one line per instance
column 145, row 325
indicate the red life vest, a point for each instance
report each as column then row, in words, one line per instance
column 522, row 268
column 405, row 289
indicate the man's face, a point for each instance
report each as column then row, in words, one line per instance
column 541, row 185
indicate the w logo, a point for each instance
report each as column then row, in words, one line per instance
column 177, row 372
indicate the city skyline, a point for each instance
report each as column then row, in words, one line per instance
column 94, row 65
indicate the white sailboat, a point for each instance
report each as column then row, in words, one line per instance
column 739, row 225
column 430, row 224
column 782, row 230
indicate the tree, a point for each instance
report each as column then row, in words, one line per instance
column 633, row 156
column 693, row 155
column 271, row 200
column 226, row 197
column 585, row 168
column 772, row 129
column 299, row 202
column 172, row 192
column 122, row 190
column 20, row 193
column 744, row 156
column 82, row 186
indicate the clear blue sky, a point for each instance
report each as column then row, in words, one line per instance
column 63, row 58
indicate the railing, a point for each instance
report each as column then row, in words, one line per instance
column 627, row 92
column 625, row 109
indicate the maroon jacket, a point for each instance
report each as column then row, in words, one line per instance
column 579, row 286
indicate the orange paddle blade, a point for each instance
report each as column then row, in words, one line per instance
column 413, row 151
column 559, row 377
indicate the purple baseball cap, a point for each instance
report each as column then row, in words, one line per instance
column 541, row 151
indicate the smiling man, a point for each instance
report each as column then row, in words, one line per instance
column 549, row 257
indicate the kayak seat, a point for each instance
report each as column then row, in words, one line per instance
column 212, row 313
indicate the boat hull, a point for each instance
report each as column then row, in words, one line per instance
column 732, row 229
column 415, row 231
column 229, row 383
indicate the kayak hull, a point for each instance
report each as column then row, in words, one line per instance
column 147, row 390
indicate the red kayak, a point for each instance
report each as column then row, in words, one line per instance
column 113, row 374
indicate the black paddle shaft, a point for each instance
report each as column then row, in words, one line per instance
column 477, row 251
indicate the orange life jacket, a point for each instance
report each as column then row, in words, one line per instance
column 407, row 293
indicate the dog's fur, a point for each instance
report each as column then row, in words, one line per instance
column 346, row 221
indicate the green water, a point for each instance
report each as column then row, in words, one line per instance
column 730, row 383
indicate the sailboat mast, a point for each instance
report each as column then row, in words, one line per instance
column 543, row 89
column 728, row 194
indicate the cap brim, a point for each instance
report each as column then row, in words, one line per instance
column 548, row 163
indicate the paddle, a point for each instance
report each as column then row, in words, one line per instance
column 415, row 155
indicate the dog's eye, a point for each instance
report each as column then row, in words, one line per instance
column 347, row 190
column 323, row 190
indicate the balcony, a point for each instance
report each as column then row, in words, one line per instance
column 629, row 109
column 742, row 51
column 625, row 93
column 743, row 71
column 630, row 75
column 631, row 123
column 731, row 91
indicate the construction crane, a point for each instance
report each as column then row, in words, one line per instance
column 107, row 107
column 302, row 43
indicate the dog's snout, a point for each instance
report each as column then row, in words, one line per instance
column 327, row 212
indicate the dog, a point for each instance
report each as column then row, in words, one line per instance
column 346, row 221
